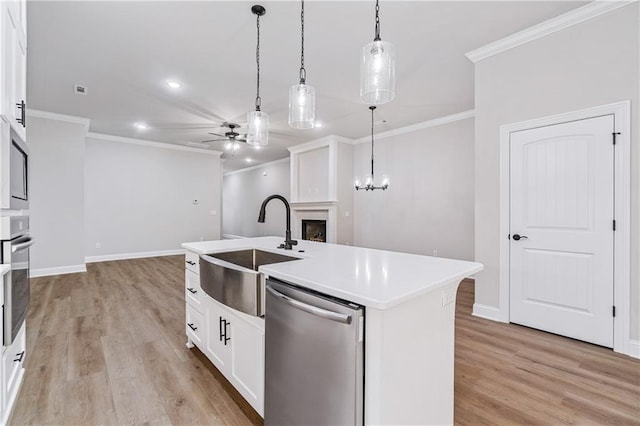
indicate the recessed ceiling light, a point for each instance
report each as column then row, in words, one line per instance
column 141, row 126
column 317, row 124
column 174, row 84
column 248, row 160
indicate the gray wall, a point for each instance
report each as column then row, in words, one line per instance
column 243, row 193
column 429, row 204
column 139, row 198
column 56, row 207
column 590, row 64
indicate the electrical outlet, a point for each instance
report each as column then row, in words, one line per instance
column 448, row 296
column 435, row 253
column 98, row 245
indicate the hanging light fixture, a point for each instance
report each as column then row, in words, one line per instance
column 258, row 121
column 378, row 69
column 302, row 97
column 369, row 185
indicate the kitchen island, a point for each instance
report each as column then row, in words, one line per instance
column 409, row 326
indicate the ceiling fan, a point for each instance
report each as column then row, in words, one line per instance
column 231, row 138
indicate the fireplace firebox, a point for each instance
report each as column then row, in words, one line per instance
column 314, row 230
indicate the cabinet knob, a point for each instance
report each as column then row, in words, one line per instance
column 19, row 357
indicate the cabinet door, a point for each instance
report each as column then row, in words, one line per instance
column 192, row 290
column 247, row 361
column 196, row 326
column 12, row 371
column 218, row 333
column 14, row 72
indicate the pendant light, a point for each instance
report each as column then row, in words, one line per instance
column 258, row 121
column 302, row 97
column 369, row 185
column 378, row 69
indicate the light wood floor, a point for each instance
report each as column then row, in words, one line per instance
column 108, row 347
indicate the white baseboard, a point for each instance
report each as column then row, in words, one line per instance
column 634, row 349
column 139, row 255
column 58, row 270
column 487, row 312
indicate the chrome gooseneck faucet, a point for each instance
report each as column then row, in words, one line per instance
column 288, row 242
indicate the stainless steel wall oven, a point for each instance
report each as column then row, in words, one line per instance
column 15, row 252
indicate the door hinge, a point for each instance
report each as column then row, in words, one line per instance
column 614, row 311
column 614, row 136
column 614, row 224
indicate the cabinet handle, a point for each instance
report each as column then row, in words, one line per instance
column 191, row 290
column 19, row 357
column 220, row 324
column 226, row 339
column 191, row 263
column 192, row 327
column 23, row 116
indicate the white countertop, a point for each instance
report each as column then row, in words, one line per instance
column 374, row 278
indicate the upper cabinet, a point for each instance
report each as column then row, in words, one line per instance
column 321, row 169
column 13, row 64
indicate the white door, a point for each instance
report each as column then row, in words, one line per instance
column 561, row 241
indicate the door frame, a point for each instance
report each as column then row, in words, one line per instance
column 622, row 208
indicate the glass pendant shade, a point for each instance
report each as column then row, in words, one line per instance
column 302, row 106
column 378, row 73
column 257, row 128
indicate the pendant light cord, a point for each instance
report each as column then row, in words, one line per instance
column 372, row 108
column 303, row 72
column 258, row 99
column 377, row 38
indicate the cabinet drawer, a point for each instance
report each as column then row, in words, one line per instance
column 192, row 262
column 12, row 361
column 192, row 290
column 195, row 326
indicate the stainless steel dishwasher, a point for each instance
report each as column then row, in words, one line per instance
column 314, row 358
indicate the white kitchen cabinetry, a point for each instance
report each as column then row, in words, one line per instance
column 11, row 370
column 13, row 64
column 235, row 344
column 233, row 341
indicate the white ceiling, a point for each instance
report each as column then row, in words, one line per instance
column 124, row 52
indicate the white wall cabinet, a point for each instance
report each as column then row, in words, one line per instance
column 232, row 340
column 13, row 65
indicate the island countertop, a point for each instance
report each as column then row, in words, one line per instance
column 378, row 279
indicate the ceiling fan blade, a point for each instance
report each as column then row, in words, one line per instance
column 216, row 134
column 214, row 140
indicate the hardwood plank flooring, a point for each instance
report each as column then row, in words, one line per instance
column 108, row 347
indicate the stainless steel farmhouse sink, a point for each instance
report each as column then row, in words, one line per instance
column 232, row 277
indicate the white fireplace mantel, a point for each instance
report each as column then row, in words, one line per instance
column 321, row 186
column 315, row 211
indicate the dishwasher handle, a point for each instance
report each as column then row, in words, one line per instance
column 313, row 310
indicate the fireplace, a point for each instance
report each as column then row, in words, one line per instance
column 314, row 230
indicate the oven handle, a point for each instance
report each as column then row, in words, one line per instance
column 23, row 244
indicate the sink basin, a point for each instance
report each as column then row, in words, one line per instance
column 232, row 277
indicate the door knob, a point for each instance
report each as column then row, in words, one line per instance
column 517, row 237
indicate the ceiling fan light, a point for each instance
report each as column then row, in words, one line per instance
column 302, row 106
column 378, row 73
column 257, row 128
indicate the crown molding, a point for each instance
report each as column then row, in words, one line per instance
column 566, row 20
column 59, row 117
column 420, row 126
column 258, row 166
column 152, row 144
